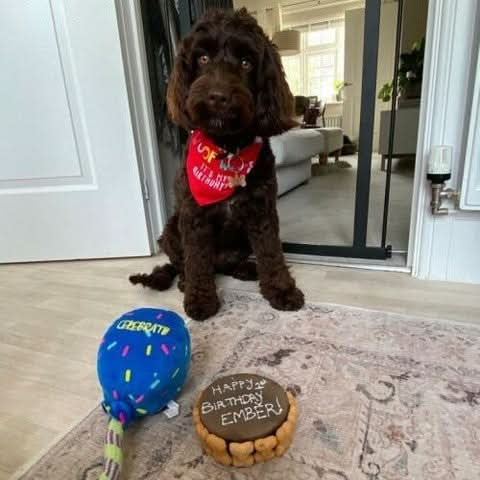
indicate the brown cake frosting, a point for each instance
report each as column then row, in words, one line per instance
column 242, row 419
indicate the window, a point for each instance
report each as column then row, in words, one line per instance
column 293, row 70
column 321, row 74
column 325, row 36
column 320, row 62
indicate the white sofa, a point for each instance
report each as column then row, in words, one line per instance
column 293, row 151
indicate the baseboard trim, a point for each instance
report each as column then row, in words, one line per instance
column 395, row 264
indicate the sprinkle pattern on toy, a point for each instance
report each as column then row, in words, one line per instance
column 142, row 365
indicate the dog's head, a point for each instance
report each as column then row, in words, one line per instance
column 228, row 78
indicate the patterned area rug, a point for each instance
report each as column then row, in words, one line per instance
column 382, row 397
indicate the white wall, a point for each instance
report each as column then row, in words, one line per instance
column 267, row 13
column 386, row 60
column 319, row 14
column 386, row 56
column 446, row 248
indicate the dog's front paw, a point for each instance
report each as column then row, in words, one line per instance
column 201, row 306
column 291, row 299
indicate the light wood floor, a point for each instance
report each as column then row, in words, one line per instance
column 53, row 315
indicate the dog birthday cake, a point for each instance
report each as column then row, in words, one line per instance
column 244, row 419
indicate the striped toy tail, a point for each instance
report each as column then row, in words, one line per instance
column 112, row 451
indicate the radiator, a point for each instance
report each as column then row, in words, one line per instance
column 334, row 121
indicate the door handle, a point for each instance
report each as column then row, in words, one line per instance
column 347, row 84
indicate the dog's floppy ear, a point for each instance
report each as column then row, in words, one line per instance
column 275, row 104
column 178, row 85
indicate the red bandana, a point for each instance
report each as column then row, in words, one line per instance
column 213, row 174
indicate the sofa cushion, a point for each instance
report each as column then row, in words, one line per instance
column 296, row 145
column 333, row 138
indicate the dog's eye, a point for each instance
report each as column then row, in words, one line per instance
column 246, row 64
column 203, row 60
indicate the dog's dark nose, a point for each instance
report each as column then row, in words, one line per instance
column 217, row 99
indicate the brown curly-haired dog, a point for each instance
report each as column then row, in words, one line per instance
column 228, row 82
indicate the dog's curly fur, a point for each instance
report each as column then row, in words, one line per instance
column 228, row 52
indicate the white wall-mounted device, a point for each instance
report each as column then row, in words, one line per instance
column 439, row 171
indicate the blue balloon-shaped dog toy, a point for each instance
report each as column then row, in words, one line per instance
column 142, row 364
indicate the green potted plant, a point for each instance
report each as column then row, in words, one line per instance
column 338, row 86
column 410, row 74
column 385, row 93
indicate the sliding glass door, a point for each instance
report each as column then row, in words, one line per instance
column 335, row 172
column 342, row 209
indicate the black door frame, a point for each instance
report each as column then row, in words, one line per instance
column 359, row 248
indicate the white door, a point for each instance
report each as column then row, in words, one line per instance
column 470, row 192
column 353, row 68
column 445, row 247
column 69, row 179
